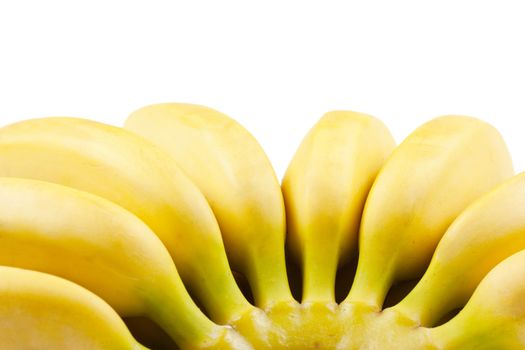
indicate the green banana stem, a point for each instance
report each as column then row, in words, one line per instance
column 319, row 270
column 371, row 284
column 173, row 309
column 218, row 292
column 266, row 274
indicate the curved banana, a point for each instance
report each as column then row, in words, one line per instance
column 325, row 188
column 41, row 311
column 494, row 318
column 231, row 169
column 99, row 245
column 128, row 170
column 430, row 178
column 488, row 231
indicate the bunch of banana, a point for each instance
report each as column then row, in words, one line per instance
column 178, row 225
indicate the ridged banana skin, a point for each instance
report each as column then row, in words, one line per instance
column 228, row 165
column 433, row 175
column 41, row 311
column 101, row 246
column 494, row 318
column 127, row 169
column 488, row 231
column 325, row 188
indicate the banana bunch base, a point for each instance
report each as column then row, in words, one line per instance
column 173, row 232
column 328, row 326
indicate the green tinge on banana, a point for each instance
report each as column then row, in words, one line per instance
column 101, row 246
column 488, row 231
column 41, row 311
column 494, row 318
column 429, row 179
column 231, row 169
column 325, row 188
column 130, row 171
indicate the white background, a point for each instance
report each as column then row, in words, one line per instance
column 275, row 66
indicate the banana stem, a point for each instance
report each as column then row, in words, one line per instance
column 371, row 284
column 427, row 303
column 319, row 262
column 318, row 285
column 218, row 292
column 266, row 274
column 173, row 309
column 453, row 336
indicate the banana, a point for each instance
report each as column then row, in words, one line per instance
column 125, row 168
column 41, row 311
column 101, row 246
column 325, row 187
column 231, row 169
column 488, row 231
column 494, row 318
column 429, row 179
